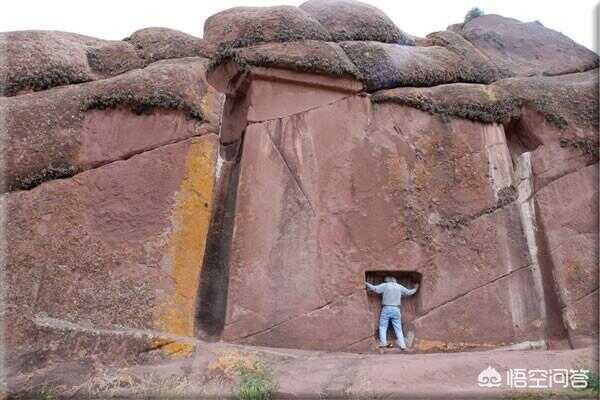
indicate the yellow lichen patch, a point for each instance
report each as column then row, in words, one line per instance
column 207, row 104
column 172, row 348
column 178, row 350
column 191, row 218
column 211, row 103
column 428, row 345
column 438, row 345
column 538, row 323
column 398, row 172
column 228, row 364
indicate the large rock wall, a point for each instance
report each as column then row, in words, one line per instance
column 40, row 60
column 118, row 245
column 152, row 194
column 330, row 193
column 106, row 260
column 63, row 131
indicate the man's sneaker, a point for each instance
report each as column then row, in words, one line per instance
column 381, row 346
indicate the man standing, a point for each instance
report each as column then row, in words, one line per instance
column 392, row 293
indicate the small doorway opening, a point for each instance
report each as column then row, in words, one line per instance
column 410, row 307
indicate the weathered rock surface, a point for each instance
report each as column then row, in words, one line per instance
column 297, row 374
column 562, row 102
column 312, row 56
column 526, row 48
column 57, row 133
column 118, row 245
column 347, row 197
column 353, row 20
column 246, row 26
column 247, row 197
column 390, row 65
column 568, row 214
column 39, row 60
column 154, row 44
column 451, row 203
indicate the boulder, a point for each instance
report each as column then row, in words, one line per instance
column 153, row 44
column 39, row 60
column 385, row 65
column 353, row 20
column 310, row 56
column 526, row 49
column 112, row 58
column 474, row 102
column 246, row 26
column 565, row 105
column 58, row 133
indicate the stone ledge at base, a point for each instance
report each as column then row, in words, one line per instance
column 300, row 374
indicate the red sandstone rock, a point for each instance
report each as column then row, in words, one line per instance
column 345, row 198
column 527, row 48
column 153, row 44
column 557, row 103
column 567, row 209
column 59, row 132
column 246, row 26
column 120, row 245
column 310, row 56
column 487, row 194
column 390, row 65
column 354, row 20
column 38, row 60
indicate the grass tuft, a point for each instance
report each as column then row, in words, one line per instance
column 586, row 146
column 43, row 80
column 256, row 382
column 143, row 104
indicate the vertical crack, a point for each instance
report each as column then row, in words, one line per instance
column 287, row 165
column 211, row 306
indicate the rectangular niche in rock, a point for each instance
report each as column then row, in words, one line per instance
column 410, row 307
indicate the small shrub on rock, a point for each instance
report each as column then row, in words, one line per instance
column 473, row 13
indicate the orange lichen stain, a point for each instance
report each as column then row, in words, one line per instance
column 425, row 345
column 428, row 345
column 228, row 364
column 191, row 218
column 211, row 102
column 398, row 172
column 178, row 350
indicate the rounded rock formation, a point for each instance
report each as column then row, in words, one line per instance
column 353, row 20
column 247, row 26
column 40, row 60
column 155, row 44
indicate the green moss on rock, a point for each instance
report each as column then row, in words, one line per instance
column 41, row 80
column 302, row 56
column 46, row 174
column 586, row 146
column 489, row 112
column 142, row 104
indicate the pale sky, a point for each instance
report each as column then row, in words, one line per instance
column 117, row 19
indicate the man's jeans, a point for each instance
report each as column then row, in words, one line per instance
column 390, row 313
